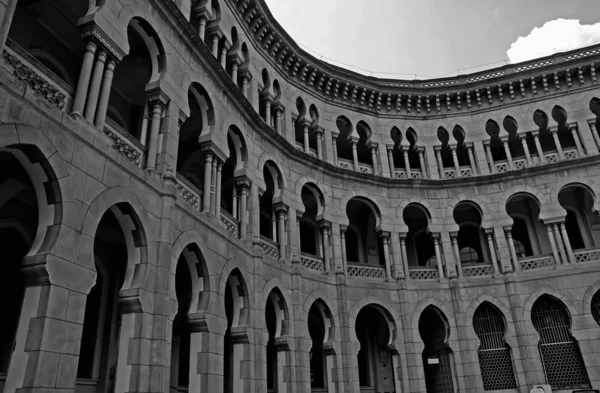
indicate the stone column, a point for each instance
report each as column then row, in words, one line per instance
column 202, row 27
column 490, row 158
column 243, row 184
column 511, row 246
column 234, row 71
column 144, row 128
column 319, row 135
column 268, row 111
column 215, row 45
column 105, row 93
column 305, row 128
column 554, row 132
column 595, row 135
column 84, row 78
column 390, row 154
column 420, row 152
column 218, row 189
column 553, row 244
column 385, row 239
column 472, row 159
column 299, row 215
column 281, row 210
column 334, row 146
column 373, row 149
column 526, row 150
column 538, row 146
column 396, row 252
column 213, row 186
column 406, row 163
column 565, row 237
column 456, row 252
column 402, row 236
column 575, row 133
column 278, row 109
column 559, row 244
column 489, row 233
column 245, row 75
column 354, row 142
column 438, row 156
column 343, row 229
column 157, row 108
column 223, row 59
column 438, row 255
column 7, row 12
column 206, row 192
column 94, row 91
column 455, row 160
column 508, row 154
column 325, row 228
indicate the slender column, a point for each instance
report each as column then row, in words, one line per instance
column 234, row 71
column 538, row 147
column 595, row 134
column 508, row 155
column 215, row 45
column 455, row 160
column 105, row 93
column 278, row 114
column 213, row 187
column 554, row 132
column 144, row 128
column 511, row 246
column 422, row 162
column 390, row 154
column 245, row 85
column 354, row 154
column 334, row 146
column 223, row 59
column 492, row 247
column 281, row 210
column 268, row 111
column 208, row 159
column 343, row 245
column 553, row 244
column 490, row 158
column 438, row 255
column 438, row 156
column 526, row 150
column 157, row 108
column 472, row 159
column 565, row 237
column 325, row 230
column 202, row 27
column 385, row 239
column 403, row 252
column 84, row 78
column 299, row 215
column 406, row 163
column 234, row 204
column 456, row 251
column 306, row 139
column 319, row 135
column 577, row 140
column 218, row 189
column 243, row 217
column 92, row 99
column 559, row 244
column 374, row 159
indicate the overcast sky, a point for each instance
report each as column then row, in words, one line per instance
column 433, row 38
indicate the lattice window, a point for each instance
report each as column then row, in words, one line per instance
column 561, row 357
column 519, row 247
column 438, row 378
column 596, row 307
column 495, row 360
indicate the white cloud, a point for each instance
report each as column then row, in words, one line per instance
column 554, row 36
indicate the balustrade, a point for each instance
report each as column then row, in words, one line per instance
column 365, row 271
column 125, row 143
column 477, row 270
column 587, row 255
column 423, row 273
column 229, row 223
column 537, row 262
column 312, row 262
column 188, row 192
column 270, row 248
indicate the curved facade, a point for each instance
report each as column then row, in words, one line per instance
column 190, row 202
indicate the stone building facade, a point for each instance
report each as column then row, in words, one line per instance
column 190, row 202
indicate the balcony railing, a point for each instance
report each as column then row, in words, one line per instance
column 536, row 262
column 501, row 166
column 587, row 255
column 423, row 273
column 519, row 163
column 449, row 173
column 477, row 270
column 571, row 153
column 124, row 143
column 551, row 157
column 188, row 193
column 365, row 271
column 270, row 248
column 365, row 168
column 312, row 262
column 414, row 174
column 345, row 164
column 228, row 222
column 466, row 171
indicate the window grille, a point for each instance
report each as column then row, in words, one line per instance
column 438, row 377
column 468, row 255
column 495, row 360
column 561, row 357
column 519, row 248
column 596, row 307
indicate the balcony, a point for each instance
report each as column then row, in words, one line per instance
column 414, row 174
column 587, row 255
column 477, row 270
column 312, row 262
column 125, row 143
column 269, row 247
column 366, row 271
column 536, row 262
column 228, row 222
column 188, row 192
column 423, row 273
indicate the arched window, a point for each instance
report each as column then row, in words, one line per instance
column 578, row 201
column 565, row 136
column 540, row 118
column 310, row 240
column 237, row 157
column 344, row 142
column 437, row 355
column 495, row 360
column 276, row 321
column 528, row 233
column 363, row 147
column 497, row 148
column 301, row 124
column 471, row 238
column 272, row 178
column 316, row 330
column 363, row 217
column 180, row 344
column 560, row 353
column 419, row 240
column 236, row 303
column 596, row 307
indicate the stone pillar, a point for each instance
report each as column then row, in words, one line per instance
column 213, row 186
column 278, row 109
column 456, row 252
column 511, row 246
column 215, row 45
column 7, row 11
column 223, row 59
column 319, row 134
column 508, row 154
column 398, row 271
column 268, row 111
column 455, row 160
column 402, row 236
column 559, row 243
column 325, row 228
column 385, row 239
column 94, row 91
column 553, row 244
column 84, row 78
column 438, row 255
column 554, row 132
column 420, row 152
column 566, row 241
column 202, row 27
column 438, row 156
column 281, row 210
column 595, row 135
column 575, row 133
column 406, row 163
column 157, row 108
column 306, row 137
column 234, row 71
column 105, row 93
column 299, row 215
column 343, row 229
column 490, row 158
column 526, row 150
column 538, row 146
column 218, row 189
column 334, row 146
column 373, row 149
column 390, row 154
column 472, row 159
column 206, row 192
column 354, row 142
column 245, row 75
column 489, row 234
column 144, row 127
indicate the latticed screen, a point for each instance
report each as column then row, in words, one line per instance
column 561, row 357
column 438, row 377
column 596, row 307
column 495, row 359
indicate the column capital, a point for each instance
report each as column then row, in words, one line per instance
column 243, row 181
column 157, row 96
column 454, row 236
column 209, row 146
column 436, row 237
column 201, row 11
column 304, row 123
column 489, row 231
column 592, row 124
column 486, row 143
column 266, row 95
column 504, row 139
column 343, row 228
column 553, row 130
column 280, row 207
column 535, row 133
column 390, row 148
column 507, row 229
column 316, row 129
column 402, row 235
column 554, row 221
column 469, row 145
column 452, row 146
column 244, row 72
column 90, row 31
column 384, row 235
column 573, row 126
column 373, row 146
column 420, row 150
column 277, row 107
column 437, row 149
column 214, row 30
column 234, row 58
column 324, row 225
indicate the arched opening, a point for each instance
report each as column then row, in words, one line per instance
column 276, row 323
column 318, row 331
column 419, row 241
column 363, row 147
column 375, row 366
column 213, row 24
column 343, row 142
column 446, row 151
column 236, row 312
column 244, row 66
column 314, row 129
column 265, row 95
column 496, row 146
column 495, row 359
column 238, row 155
column 301, row 123
column 310, row 240
column 46, row 34
column 437, row 356
column 595, row 307
column 514, row 142
column 129, row 96
column 268, row 219
column 362, row 244
column 540, row 118
column 462, row 155
column 19, row 217
column 471, row 236
column 595, row 109
column 580, row 221
column 559, row 351
column 565, row 137
column 397, row 150
column 529, row 235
